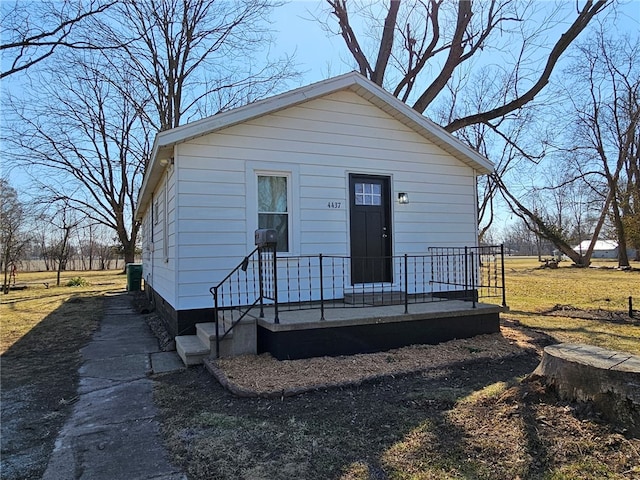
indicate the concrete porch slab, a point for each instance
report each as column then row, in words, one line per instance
column 299, row 319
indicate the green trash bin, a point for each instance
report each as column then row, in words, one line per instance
column 134, row 277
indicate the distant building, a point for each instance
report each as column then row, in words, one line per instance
column 602, row 249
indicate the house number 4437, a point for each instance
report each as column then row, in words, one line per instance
column 334, row 204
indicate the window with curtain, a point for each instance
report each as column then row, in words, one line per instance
column 273, row 208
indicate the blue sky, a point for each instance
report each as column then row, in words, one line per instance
column 320, row 55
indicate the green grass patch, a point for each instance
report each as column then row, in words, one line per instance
column 489, row 392
column 77, row 282
column 587, row 469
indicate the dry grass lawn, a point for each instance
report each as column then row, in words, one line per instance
column 41, row 333
column 576, row 305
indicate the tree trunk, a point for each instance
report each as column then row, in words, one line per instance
column 5, row 268
column 540, row 228
column 129, row 253
column 62, row 260
column 592, row 374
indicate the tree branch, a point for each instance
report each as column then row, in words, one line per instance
column 386, row 42
column 586, row 14
column 340, row 12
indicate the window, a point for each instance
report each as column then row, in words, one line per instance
column 152, row 219
column 165, row 220
column 368, row 194
column 273, row 208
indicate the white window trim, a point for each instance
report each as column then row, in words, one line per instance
column 155, row 207
column 291, row 172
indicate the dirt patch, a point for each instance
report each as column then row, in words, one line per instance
column 263, row 375
column 593, row 314
column 462, row 418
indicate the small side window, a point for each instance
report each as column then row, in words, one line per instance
column 273, row 207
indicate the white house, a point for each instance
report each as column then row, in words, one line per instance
column 339, row 167
column 607, row 249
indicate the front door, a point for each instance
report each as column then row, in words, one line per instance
column 370, row 214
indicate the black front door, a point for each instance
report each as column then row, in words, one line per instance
column 370, row 214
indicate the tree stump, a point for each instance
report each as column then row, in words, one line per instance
column 608, row 379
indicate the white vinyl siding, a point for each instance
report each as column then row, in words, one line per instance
column 159, row 270
column 317, row 144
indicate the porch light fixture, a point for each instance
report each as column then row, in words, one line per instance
column 403, row 198
column 166, row 161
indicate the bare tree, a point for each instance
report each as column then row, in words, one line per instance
column 429, row 42
column 63, row 221
column 13, row 238
column 193, row 58
column 567, row 196
column 106, row 254
column 85, row 130
column 474, row 67
column 86, row 246
column 518, row 239
column 85, row 143
column 41, row 231
column 538, row 224
column 630, row 202
column 33, row 30
column 606, row 109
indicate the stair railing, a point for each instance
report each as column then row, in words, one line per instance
column 247, row 286
column 234, row 291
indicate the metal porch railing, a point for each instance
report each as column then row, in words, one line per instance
column 324, row 281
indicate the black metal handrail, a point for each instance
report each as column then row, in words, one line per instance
column 483, row 269
column 232, row 285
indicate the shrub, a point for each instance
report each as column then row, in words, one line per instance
column 77, row 282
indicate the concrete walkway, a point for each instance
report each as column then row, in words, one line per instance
column 113, row 432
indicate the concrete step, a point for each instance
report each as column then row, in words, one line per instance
column 206, row 332
column 191, row 349
column 392, row 297
column 241, row 340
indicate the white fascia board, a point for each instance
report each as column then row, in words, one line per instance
column 254, row 110
column 151, row 178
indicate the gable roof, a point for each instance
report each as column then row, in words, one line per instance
column 353, row 81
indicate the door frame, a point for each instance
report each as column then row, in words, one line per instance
column 387, row 247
